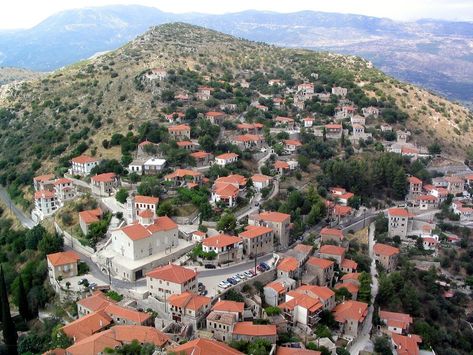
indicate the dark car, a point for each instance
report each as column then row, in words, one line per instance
column 266, row 266
column 232, row 281
column 210, row 266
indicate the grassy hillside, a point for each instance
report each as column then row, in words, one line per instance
column 45, row 122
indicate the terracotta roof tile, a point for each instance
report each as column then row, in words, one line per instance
column 350, row 310
column 332, row 250
column 254, row 231
column 319, row 262
column 255, row 330
column 146, row 199
column 288, row 264
column 172, row 273
column 204, row 347
column 385, row 250
column 83, row 159
column 229, row 306
column 63, row 258
column 189, row 300
column 221, row 240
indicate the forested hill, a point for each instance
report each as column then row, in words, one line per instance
column 43, row 123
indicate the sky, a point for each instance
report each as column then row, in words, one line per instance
column 27, row 13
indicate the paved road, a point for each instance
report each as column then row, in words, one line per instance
column 363, row 339
column 24, row 219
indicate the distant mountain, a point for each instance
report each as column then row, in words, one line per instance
column 8, row 75
column 435, row 54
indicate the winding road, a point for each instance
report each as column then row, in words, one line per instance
column 22, row 217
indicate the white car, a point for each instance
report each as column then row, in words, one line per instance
column 242, row 276
column 224, row 284
column 248, row 274
column 236, row 278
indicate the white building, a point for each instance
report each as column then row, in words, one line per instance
column 146, row 237
column 45, row 204
column 226, row 158
column 82, row 165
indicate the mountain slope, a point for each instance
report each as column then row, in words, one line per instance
column 420, row 52
column 45, row 122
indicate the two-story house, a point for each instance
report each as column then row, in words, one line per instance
column 386, row 255
column 83, row 165
column 279, row 222
column 170, row 279
column 228, row 248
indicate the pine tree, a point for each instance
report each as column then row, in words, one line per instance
column 10, row 337
column 23, row 301
column 400, row 184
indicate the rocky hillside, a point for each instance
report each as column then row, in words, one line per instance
column 9, row 75
column 46, row 121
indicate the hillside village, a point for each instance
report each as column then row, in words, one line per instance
column 262, row 212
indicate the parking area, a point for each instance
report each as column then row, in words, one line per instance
column 76, row 283
column 212, row 277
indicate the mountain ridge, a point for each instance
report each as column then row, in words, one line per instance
column 418, row 52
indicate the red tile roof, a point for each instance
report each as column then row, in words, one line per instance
column 43, row 194
column 147, row 213
column 319, row 262
column 177, row 128
column 350, row 310
column 97, row 301
column 399, row 320
column 146, row 199
column 44, row 178
column 261, row 178
column 105, row 177
column 204, row 347
column 332, row 232
column 351, row 276
column 399, row 212
column 321, row 292
column 62, row 181
column 189, row 300
column 414, row 180
column 83, row 159
column 279, row 164
column 87, row 325
column 200, row 155
column 232, row 179
column 406, row 344
column 63, row 258
column 221, row 240
column 90, row 216
column 282, row 350
column 303, row 248
column 293, row 142
column 288, row 264
column 332, row 250
column 277, row 217
column 385, row 250
column 138, row 231
column 349, row 264
column 172, row 273
column 254, row 231
column 137, row 317
column 353, row 289
column 255, row 330
column 229, row 306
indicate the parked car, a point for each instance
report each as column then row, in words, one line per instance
column 251, row 272
column 82, row 281
column 260, row 268
column 210, row 266
column 232, row 281
column 236, row 278
column 242, row 276
column 224, row 284
column 266, row 266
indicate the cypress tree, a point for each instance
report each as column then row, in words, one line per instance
column 23, row 301
column 10, row 337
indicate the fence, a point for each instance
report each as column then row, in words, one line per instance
column 73, row 243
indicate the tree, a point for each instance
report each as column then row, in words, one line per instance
column 50, row 243
column 121, row 195
column 400, row 184
column 233, row 295
column 227, row 222
column 382, row 346
column 166, row 209
column 364, row 293
column 272, row 311
column 10, row 337
column 435, row 148
column 23, row 300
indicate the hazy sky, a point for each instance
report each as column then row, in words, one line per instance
column 27, row 13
